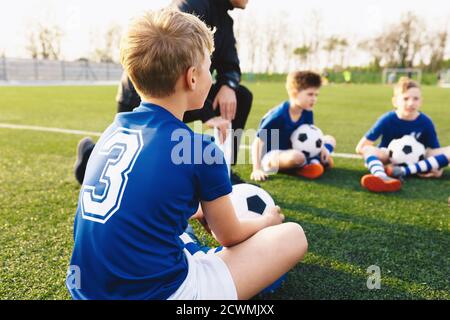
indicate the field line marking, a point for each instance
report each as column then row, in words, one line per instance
column 335, row 154
column 98, row 134
column 48, row 129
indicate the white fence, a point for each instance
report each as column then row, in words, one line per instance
column 33, row 70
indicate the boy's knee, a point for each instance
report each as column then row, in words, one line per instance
column 330, row 140
column 447, row 152
column 368, row 150
column 296, row 238
column 297, row 158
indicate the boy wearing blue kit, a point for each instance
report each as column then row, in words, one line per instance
column 149, row 173
column 272, row 148
column 405, row 120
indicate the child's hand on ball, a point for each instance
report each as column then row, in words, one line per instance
column 324, row 156
column 274, row 216
column 258, row 175
column 431, row 174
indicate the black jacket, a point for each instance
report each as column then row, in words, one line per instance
column 224, row 60
column 214, row 13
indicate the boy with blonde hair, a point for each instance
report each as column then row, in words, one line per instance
column 406, row 119
column 272, row 149
column 147, row 176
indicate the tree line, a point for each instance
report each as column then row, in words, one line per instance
column 277, row 47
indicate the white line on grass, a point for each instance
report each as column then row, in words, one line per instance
column 98, row 134
column 68, row 83
column 47, row 129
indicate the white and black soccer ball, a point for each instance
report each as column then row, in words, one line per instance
column 308, row 139
column 406, row 150
column 250, row 201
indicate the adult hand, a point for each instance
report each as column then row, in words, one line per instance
column 221, row 124
column 226, row 100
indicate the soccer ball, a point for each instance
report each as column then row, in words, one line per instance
column 307, row 139
column 406, row 150
column 250, row 201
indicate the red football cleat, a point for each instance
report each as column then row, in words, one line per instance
column 311, row 171
column 377, row 184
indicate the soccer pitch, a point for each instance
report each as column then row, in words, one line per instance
column 405, row 234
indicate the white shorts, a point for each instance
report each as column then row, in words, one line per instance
column 266, row 160
column 208, row 278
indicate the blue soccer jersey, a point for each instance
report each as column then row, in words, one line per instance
column 144, row 179
column 276, row 127
column 389, row 126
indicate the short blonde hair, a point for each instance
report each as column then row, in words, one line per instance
column 301, row 80
column 403, row 85
column 160, row 46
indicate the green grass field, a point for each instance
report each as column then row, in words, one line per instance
column 349, row 229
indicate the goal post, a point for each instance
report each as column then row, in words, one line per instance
column 444, row 78
column 392, row 75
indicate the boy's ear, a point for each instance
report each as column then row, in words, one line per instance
column 191, row 79
column 293, row 93
column 394, row 102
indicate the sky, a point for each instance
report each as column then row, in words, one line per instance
column 84, row 20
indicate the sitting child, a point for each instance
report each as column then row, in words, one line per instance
column 280, row 122
column 404, row 120
column 148, row 174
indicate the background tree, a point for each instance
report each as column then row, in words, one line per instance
column 109, row 44
column 436, row 44
column 302, row 53
column 398, row 44
column 330, row 47
column 44, row 41
column 342, row 46
column 273, row 40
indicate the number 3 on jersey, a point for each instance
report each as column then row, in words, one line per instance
column 121, row 149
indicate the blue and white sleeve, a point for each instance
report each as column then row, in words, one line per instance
column 377, row 129
column 211, row 175
column 431, row 138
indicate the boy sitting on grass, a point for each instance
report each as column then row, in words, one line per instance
column 280, row 122
column 147, row 176
column 406, row 119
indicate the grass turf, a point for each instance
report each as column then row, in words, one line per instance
column 349, row 229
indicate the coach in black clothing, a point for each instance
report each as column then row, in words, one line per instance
column 227, row 97
column 227, row 100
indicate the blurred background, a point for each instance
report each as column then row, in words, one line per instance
column 59, row 71
column 50, row 40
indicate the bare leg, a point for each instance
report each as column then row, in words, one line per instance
column 325, row 157
column 330, row 140
column 381, row 154
column 431, row 153
column 285, row 160
column 259, row 261
column 378, row 180
column 435, row 152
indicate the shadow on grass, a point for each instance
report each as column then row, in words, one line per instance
column 414, row 188
column 409, row 253
column 314, row 282
column 415, row 255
